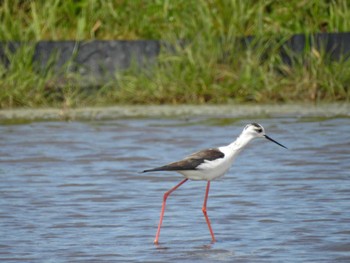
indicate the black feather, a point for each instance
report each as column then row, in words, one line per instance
column 191, row 162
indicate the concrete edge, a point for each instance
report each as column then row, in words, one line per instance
column 327, row 110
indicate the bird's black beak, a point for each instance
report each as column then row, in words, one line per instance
column 270, row 139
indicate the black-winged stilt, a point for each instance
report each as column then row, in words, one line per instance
column 208, row 165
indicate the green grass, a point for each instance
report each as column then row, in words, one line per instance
column 210, row 68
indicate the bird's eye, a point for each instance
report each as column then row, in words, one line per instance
column 259, row 130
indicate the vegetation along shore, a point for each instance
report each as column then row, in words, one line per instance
column 210, row 68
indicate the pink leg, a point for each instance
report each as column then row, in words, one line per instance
column 204, row 209
column 163, row 207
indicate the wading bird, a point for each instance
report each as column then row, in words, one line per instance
column 208, row 165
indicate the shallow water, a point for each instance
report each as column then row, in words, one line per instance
column 72, row 192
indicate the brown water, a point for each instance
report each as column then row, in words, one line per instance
column 72, row 192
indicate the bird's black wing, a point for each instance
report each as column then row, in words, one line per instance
column 191, row 162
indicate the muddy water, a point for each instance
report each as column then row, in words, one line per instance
column 72, row 192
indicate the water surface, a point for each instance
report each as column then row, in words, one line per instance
column 73, row 192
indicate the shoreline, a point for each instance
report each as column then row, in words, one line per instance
column 327, row 110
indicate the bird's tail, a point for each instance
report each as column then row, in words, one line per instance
column 153, row 170
column 169, row 167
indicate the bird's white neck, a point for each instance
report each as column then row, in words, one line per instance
column 240, row 143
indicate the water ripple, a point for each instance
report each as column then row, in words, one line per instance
column 73, row 192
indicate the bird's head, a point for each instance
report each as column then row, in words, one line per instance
column 255, row 130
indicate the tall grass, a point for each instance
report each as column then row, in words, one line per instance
column 159, row 19
column 208, row 65
column 17, row 77
column 212, row 68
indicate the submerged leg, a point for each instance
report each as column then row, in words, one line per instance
column 204, row 209
column 163, row 207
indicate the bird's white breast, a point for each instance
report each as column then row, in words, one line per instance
column 211, row 170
